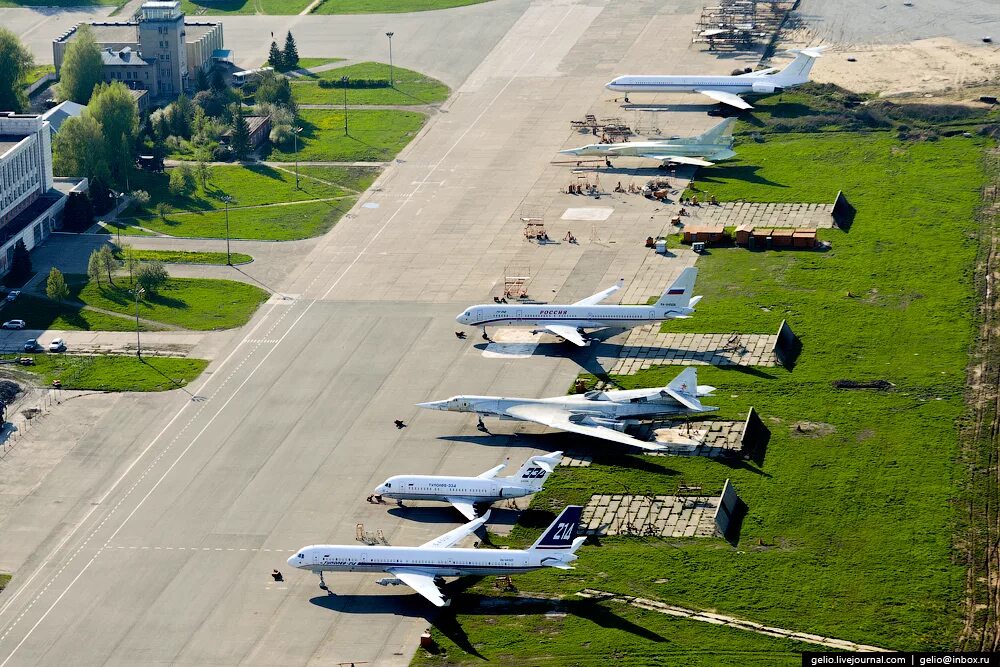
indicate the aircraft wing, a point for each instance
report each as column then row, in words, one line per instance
column 491, row 473
column 726, row 98
column 556, row 418
column 601, row 296
column 569, row 333
column 465, row 506
column 678, row 159
column 452, row 537
column 769, row 70
column 422, row 581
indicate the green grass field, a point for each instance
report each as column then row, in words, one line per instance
column 4, row 580
column 116, row 373
column 269, row 223
column 409, row 87
column 220, row 7
column 60, row 3
column 374, row 135
column 41, row 313
column 39, row 71
column 192, row 303
column 306, row 63
column 850, row 528
column 387, row 7
column 189, row 257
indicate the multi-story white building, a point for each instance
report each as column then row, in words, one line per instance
column 30, row 198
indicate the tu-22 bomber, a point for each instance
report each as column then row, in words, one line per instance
column 569, row 321
column 714, row 144
column 466, row 492
column 420, row 567
column 599, row 414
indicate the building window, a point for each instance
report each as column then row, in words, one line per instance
column 38, row 233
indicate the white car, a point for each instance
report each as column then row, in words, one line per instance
column 13, row 294
column 13, row 324
column 57, row 345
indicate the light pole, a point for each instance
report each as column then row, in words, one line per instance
column 118, row 199
column 343, row 81
column 229, row 259
column 295, row 131
column 138, row 347
column 392, row 83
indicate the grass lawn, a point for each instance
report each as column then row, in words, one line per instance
column 269, row 223
column 4, row 580
column 39, row 71
column 387, row 6
column 374, row 135
column 850, row 528
column 116, row 373
column 59, row 3
column 188, row 257
column 41, row 313
column 357, row 179
column 280, row 7
column 306, row 63
column 201, row 304
column 248, row 186
column 409, row 87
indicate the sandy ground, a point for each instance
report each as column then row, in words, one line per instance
column 924, row 66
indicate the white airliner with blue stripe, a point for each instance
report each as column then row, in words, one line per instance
column 419, row 567
column 725, row 89
column 569, row 321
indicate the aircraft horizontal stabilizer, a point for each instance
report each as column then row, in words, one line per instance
column 726, row 98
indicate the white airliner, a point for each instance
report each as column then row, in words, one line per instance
column 419, row 567
column 568, row 322
column 725, row 89
column 714, row 144
column 465, row 492
column 599, row 414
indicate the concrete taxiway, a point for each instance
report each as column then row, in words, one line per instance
column 153, row 539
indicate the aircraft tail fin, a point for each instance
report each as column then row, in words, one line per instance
column 679, row 294
column 718, row 134
column 533, row 472
column 797, row 71
column 561, row 533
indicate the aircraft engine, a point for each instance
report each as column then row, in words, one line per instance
column 389, row 581
column 606, row 423
column 761, row 87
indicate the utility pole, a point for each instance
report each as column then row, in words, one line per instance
column 138, row 346
column 295, row 131
column 343, row 81
column 229, row 258
column 392, row 82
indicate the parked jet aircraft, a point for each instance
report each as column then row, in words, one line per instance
column 465, row 492
column 600, row 414
column 568, row 322
column 714, row 144
column 725, row 89
column 419, row 567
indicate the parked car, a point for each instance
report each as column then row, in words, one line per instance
column 13, row 324
column 32, row 345
column 57, row 345
column 13, row 294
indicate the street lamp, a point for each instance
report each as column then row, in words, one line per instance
column 295, row 132
column 392, row 83
column 229, row 259
column 343, row 82
column 118, row 198
column 138, row 292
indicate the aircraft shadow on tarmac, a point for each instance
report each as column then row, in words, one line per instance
column 445, row 620
column 444, row 514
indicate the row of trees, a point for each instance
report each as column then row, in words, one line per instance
column 104, row 263
column 16, row 63
column 284, row 59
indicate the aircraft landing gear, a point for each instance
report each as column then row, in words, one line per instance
column 322, row 584
column 481, row 426
column 626, row 100
column 486, row 336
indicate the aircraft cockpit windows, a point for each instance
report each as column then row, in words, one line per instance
column 301, row 556
column 388, row 485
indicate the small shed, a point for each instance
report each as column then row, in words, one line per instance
column 706, row 233
column 804, row 238
column 782, row 238
column 743, row 233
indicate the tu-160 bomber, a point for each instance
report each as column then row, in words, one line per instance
column 420, row 567
column 569, row 321
column 600, row 414
column 714, row 144
column 465, row 492
column 725, row 89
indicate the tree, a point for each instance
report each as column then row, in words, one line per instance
column 181, row 113
column 79, row 150
column 151, row 276
column 218, row 81
column 201, row 81
column 56, row 288
column 290, row 56
column 78, row 215
column 15, row 65
column 115, row 109
column 240, row 141
column 182, row 180
column 161, row 210
column 274, row 89
column 202, row 168
column 81, row 68
column 127, row 253
column 274, row 58
column 94, row 267
column 20, row 265
column 107, row 262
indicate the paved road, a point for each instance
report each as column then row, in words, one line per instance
column 152, row 540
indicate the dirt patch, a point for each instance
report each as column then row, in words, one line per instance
column 862, row 384
column 812, row 429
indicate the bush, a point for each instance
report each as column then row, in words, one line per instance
column 281, row 135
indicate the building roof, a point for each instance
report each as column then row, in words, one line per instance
column 8, row 141
column 125, row 56
column 161, row 4
column 107, row 33
column 195, row 31
column 58, row 114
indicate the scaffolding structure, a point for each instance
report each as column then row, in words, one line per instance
column 515, row 282
column 740, row 24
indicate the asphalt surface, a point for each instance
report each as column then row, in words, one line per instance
column 153, row 539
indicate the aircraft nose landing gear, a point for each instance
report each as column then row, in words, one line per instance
column 322, row 584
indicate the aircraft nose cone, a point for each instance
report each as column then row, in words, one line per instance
column 293, row 561
column 432, row 405
column 569, row 151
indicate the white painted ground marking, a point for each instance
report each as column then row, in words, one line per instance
column 596, row 214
